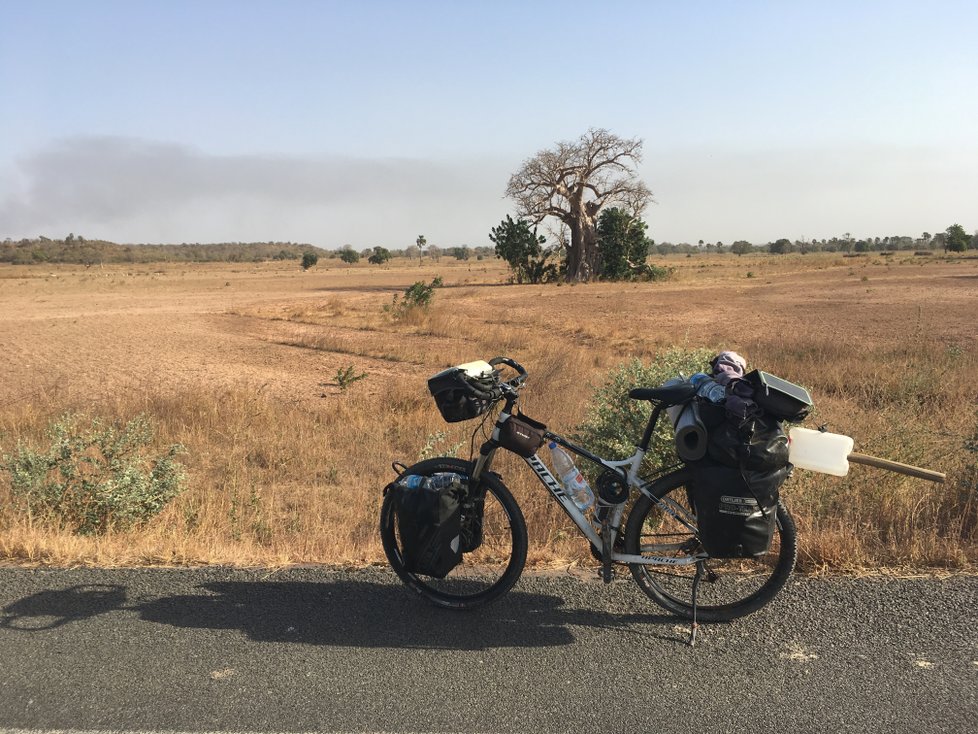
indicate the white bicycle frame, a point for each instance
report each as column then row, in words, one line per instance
column 578, row 517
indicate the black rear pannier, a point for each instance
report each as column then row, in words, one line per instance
column 735, row 488
column 732, row 521
column 429, row 523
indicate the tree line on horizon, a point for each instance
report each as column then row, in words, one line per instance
column 75, row 249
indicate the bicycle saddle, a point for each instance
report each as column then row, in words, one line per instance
column 666, row 395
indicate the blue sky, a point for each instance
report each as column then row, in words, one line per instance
column 373, row 122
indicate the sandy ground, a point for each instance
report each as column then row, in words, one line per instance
column 88, row 332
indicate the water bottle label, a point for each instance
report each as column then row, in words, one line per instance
column 412, row 481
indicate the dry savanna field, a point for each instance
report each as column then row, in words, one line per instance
column 240, row 364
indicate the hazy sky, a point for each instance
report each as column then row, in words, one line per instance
column 373, row 122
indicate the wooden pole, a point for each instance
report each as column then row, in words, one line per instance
column 912, row 471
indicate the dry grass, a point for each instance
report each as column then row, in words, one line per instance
column 238, row 364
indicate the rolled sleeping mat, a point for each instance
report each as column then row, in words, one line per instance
column 690, row 433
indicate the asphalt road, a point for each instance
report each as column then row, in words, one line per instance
column 328, row 650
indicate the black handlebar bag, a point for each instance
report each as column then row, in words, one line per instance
column 429, row 524
column 457, row 395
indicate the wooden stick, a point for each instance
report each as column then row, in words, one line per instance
column 913, row 471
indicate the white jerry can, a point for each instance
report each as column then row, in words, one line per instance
column 827, row 453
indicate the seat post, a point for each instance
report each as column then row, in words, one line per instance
column 647, row 437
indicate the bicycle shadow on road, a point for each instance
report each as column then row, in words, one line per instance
column 47, row 610
column 343, row 613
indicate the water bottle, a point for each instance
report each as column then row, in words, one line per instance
column 436, row 482
column 712, row 391
column 698, row 378
column 570, row 476
column 414, row 481
column 445, row 480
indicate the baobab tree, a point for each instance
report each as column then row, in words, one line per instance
column 573, row 182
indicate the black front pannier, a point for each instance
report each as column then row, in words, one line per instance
column 735, row 489
column 429, row 526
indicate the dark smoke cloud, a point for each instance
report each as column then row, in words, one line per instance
column 136, row 190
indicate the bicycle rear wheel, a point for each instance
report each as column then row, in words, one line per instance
column 485, row 573
column 730, row 587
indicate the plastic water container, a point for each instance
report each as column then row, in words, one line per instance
column 570, row 476
column 827, row 453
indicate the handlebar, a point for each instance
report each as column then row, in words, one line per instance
column 517, row 382
column 507, row 388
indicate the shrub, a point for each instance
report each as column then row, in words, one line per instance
column 613, row 423
column 95, row 478
column 347, row 376
column 522, row 248
column 379, row 256
column 309, row 259
column 623, row 245
column 416, row 298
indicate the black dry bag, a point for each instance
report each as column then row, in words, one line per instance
column 429, row 523
column 732, row 523
column 735, row 488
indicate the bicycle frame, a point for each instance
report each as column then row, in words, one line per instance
column 630, row 465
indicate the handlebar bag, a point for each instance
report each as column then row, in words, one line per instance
column 455, row 397
column 429, row 524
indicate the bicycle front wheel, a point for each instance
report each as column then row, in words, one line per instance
column 485, row 573
column 730, row 587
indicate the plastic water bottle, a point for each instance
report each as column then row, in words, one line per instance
column 570, row 476
column 445, row 480
column 414, row 481
column 697, row 378
column 712, row 391
column 436, row 482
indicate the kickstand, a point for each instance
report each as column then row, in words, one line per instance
column 607, row 550
column 696, row 585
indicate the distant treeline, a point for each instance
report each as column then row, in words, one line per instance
column 76, row 249
column 954, row 238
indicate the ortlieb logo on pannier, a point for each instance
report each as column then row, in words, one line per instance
column 429, row 515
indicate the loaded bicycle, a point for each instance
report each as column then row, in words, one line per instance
column 477, row 537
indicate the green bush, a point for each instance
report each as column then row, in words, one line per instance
column 522, row 248
column 614, row 423
column 95, row 478
column 347, row 376
column 417, row 297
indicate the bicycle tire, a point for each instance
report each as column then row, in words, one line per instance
column 484, row 574
column 732, row 588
